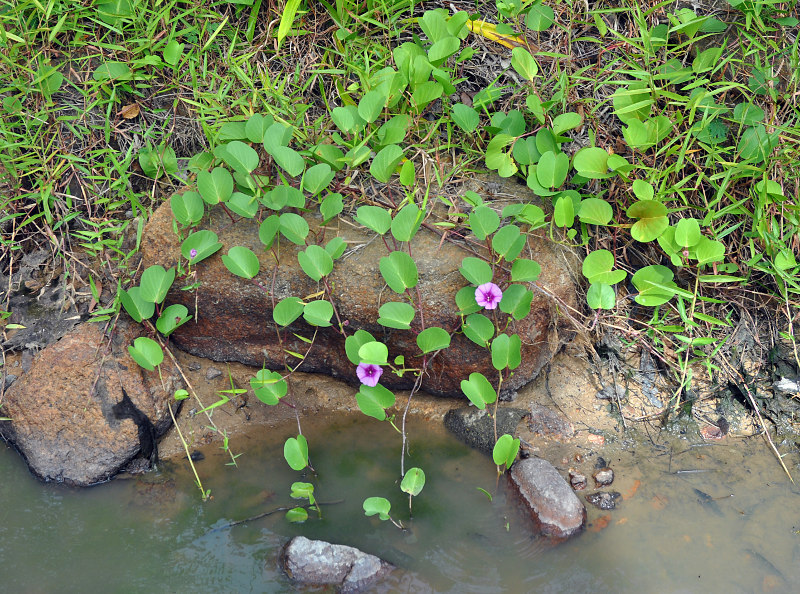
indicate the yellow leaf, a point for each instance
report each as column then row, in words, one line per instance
column 489, row 31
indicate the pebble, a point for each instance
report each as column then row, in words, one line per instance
column 9, row 380
column 604, row 500
column 577, row 480
column 213, row 373
column 603, row 477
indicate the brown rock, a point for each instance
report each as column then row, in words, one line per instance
column 234, row 316
column 554, row 507
column 577, row 480
column 603, row 477
column 85, row 409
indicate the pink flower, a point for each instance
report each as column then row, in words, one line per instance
column 488, row 295
column 192, row 253
column 369, row 374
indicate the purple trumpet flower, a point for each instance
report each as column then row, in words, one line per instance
column 369, row 374
column 488, row 295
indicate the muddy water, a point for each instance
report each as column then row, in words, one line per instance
column 690, row 519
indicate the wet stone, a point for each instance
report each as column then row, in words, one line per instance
column 603, row 477
column 604, row 500
column 577, row 480
column 316, row 562
column 554, row 507
column 212, row 373
column 549, row 423
column 476, row 427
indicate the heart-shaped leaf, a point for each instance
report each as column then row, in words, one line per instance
column 241, row 261
column 399, row 271
column 396, row 315
column 373, row 400
column 295, row 451
column 146, row 352
column 478, row 390
column 433, row 339
column 269, row 386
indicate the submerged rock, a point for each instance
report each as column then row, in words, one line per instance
column 554, row 507
column 86, row 409
column 321, row 563
column 604, row 500
column 476, row 427
column 234, row 316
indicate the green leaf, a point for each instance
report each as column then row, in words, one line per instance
column 652, row 221
column 475, row 270
column 508, row 242
column 479, row 329
column 394, row 130
column 373, row 352
column 595, row 211
column 465, row 301
column 642, row 190
column 155, row 283
column 241, row 156
column 295, row 451
column 347, row 119
column 408, row 174
column 137, row 308
column 425, row 93
column 318, row 313
column 433, row 339
column 540, row 17
column 565, row 121
column 505, row 450
column 243, row 205
column 377, row 505
column 633, row 102
column 315, row 262
column 294, row 228
column 601, row 296
column 523, row 270
column 172, row 318
column 564, row 212
column 331, row 207
column 748, row 114
column 297, row 515
column 552, row 169
column 687, row 232
column 317, row 178
column 522, row 61
column 396, row 315
column 443, row 49
column 516, row 301
column 374, row 217
column 385, row 162
column 372, row 401
column 146, row 352
column 465, row 117
column 406, row 223
column 478, row 390
column 655, row 285
column 399, row 271
column 597, row 267
column 353, row 344
column 336, row 247
column 205, row 242
column 268, row 230
column 256, row 127
column 413, row 481
column 241, row 261
column 215, row 186
column 287, row 310
column 289, row 160
column 709, row 250
column 499, row 159
column 506, row 352
column 371, row 105
column 525, row 151
column 269, row 386
column 483, row 221
column 592, row 163
column 114, row 71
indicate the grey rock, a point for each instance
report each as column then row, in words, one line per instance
column 212, row 373
column 321, row 563
column 555, row 509
column 577, row 480
column 475, row 427
column 9, row 380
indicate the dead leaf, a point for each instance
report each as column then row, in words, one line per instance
column 129, row 111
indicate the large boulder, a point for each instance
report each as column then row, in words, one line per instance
column 234, row 316
column 85, row 408
column 553, row 505
column 316, row 562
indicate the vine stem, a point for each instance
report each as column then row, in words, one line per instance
column 188, row 455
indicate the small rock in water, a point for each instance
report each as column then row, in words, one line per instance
column 197, row 455
column 553, row 505
column 322, row 563
column 577, row 480
column 476, row 427
column 213, row 373
column 603, row 500
column 603, row 477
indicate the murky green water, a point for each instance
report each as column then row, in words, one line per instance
column 728, row 525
